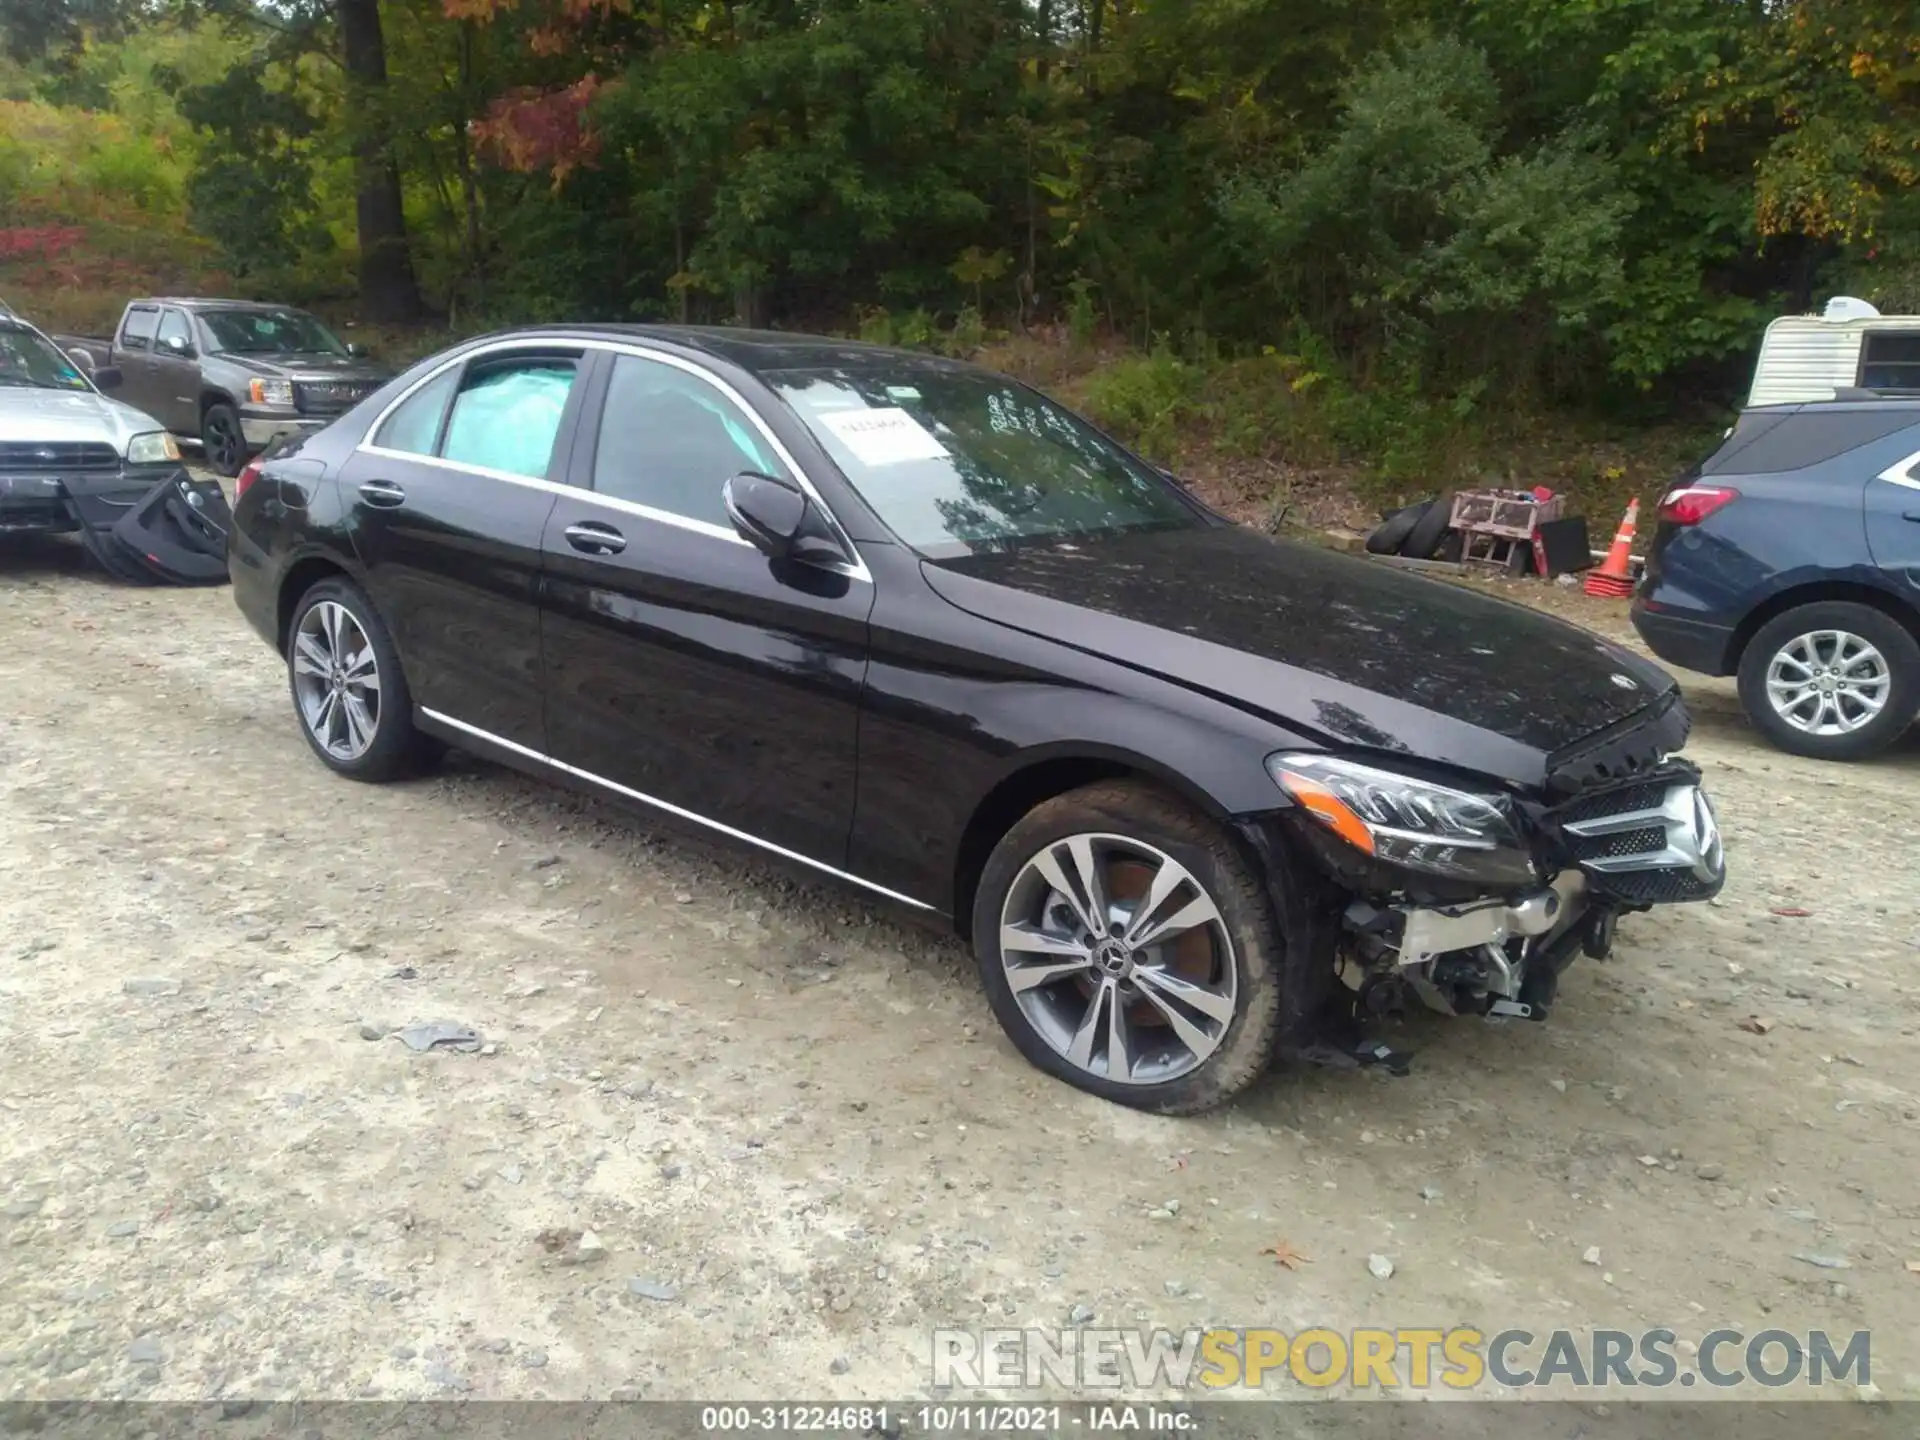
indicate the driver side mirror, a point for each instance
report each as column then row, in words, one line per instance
column 106, row 377
column 179, row 346
column 356, row 349
column 778, row 520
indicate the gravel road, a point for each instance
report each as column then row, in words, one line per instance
column 735, row 1134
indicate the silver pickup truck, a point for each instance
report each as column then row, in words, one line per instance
column 233, row 375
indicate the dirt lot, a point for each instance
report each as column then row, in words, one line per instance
column 791, row 1126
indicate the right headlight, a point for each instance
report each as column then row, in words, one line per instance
column 1409, row 822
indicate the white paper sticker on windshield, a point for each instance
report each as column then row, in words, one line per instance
column 883, row 437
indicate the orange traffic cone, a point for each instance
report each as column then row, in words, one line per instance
column 1614, row 578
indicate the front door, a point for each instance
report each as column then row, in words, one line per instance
column 450, row 497
column 682, row 666
column 133, row 353
column 176, row 375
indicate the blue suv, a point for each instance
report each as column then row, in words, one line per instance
column 1791, row 558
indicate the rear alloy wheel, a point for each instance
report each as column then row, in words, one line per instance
column 1127, row 949
column 348, row 690
column 1832, row 680
column 221, row 440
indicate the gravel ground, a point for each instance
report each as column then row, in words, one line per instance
column 736, row 1134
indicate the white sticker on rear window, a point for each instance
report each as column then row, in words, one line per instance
column 883, row 437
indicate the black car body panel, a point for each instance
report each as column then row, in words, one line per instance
column 864, row 718
column 1358, row 655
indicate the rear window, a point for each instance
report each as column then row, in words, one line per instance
column 1890, row 361
column 1767, row 443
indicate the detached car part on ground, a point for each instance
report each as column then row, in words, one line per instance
column 1196, row 797
column 74, row 460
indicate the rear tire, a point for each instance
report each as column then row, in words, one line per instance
column 222, row 442
column 1212, row 985
column 1810, row 677
column 350, row 695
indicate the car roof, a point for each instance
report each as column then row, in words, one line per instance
column 1861, row 402
column 758, row 352
column 207, row 302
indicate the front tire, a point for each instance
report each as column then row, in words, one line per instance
column 349, row 693
column 1127, row 948
column 1831, row 681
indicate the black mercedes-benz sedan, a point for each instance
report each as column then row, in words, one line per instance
column 1195, row 796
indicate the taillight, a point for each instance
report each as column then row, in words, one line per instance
column 244, row 482
column 1691, row 504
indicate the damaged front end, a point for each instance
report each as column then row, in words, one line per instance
column 1476, row 903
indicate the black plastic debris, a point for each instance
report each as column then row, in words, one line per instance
column 179, row 531
column 174, row 531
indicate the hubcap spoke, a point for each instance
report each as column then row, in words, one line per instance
column 1198, row 1041
column 1081, row 1050
column 1072, row 890
column 1033, row 940
column 1197, row 911
column 1156, row 981
column 310, row 656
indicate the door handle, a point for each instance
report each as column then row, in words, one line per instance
column 590, row 537
column 383, row 493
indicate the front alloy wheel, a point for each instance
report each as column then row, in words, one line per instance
column 1118, row 958
column 1128, row 948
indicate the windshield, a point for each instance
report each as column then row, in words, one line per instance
column 34, row 362
column 958, row 460
column 269, row 332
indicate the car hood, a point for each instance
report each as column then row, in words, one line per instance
column 69, row 416
column 309, row 365
column 1351, row 652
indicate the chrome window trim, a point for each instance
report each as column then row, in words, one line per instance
column 854, row 570
column 669, row 807
column 1901, row 472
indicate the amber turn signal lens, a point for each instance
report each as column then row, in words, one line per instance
column 1329, row 809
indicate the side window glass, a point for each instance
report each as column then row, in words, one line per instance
column 173, row 326
column 137, row 332
column 507, row 414
column 671, row 441
column 1890, row 361
column 415, row 425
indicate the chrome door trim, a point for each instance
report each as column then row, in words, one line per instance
column 856, row 569
column 670, row 808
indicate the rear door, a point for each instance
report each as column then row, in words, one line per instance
column 1893, row 510
column 450, row 496
column 176, row 374
column 683, row 666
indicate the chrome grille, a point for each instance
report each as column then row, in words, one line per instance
column 54, row 457
column 1647, row 843
column 331, row 397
